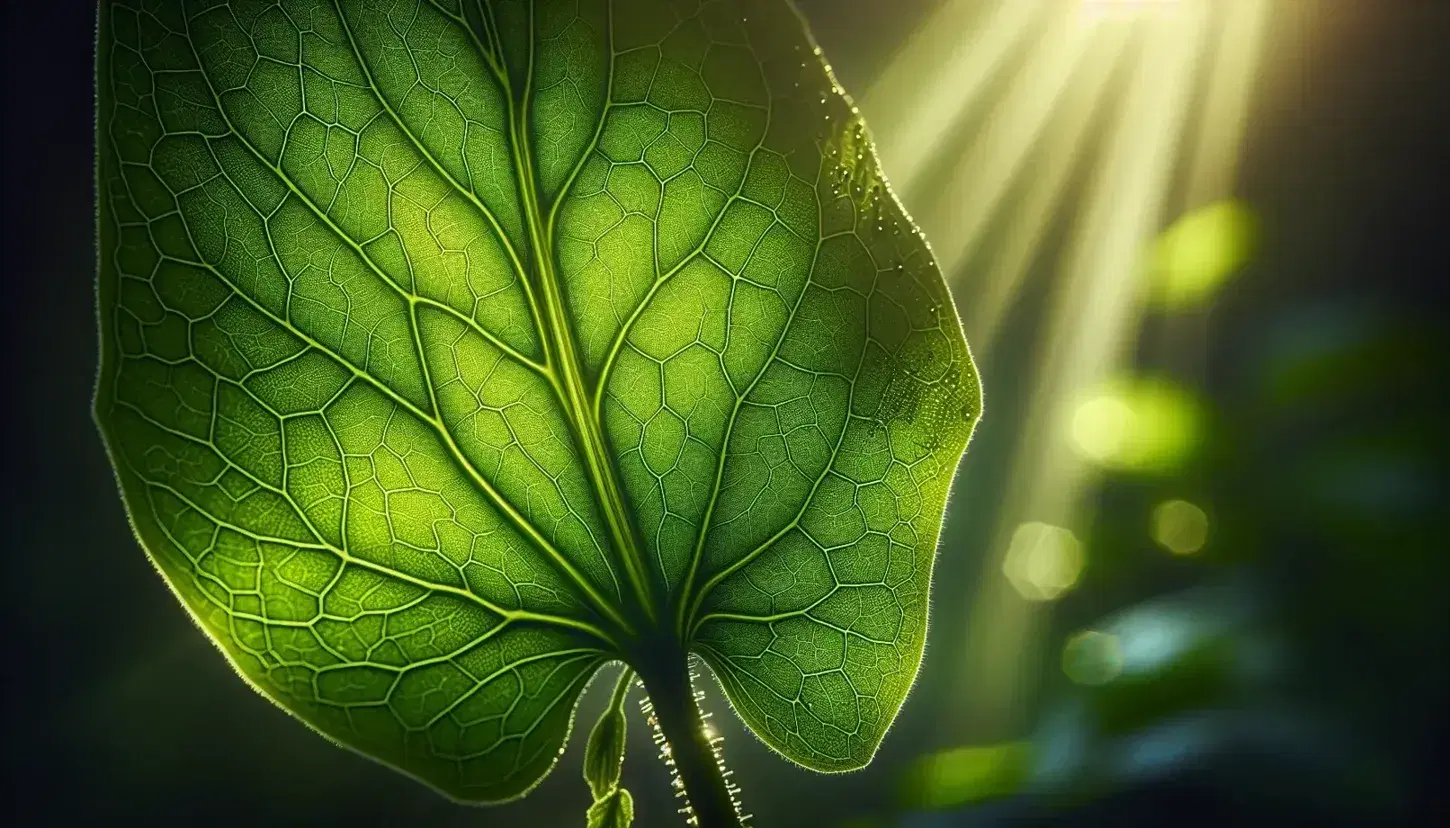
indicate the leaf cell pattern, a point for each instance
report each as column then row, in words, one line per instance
column 449, row 346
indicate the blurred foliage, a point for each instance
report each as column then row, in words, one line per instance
column 1261, row 623
column 963, row 775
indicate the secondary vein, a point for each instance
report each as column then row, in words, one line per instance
column 466, row 192
column 590, row 593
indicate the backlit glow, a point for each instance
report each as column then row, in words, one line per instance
column 1083, row 155
column 1127, row 8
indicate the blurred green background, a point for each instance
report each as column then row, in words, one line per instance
column 1194, row 564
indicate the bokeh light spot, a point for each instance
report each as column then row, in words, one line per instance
column 1197, row 255
column 1091, row 657
column 1180, row 527
column 1101, row 427
column 1043, row 561
column 1138, row 425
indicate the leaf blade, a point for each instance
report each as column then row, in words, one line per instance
column 540, row 375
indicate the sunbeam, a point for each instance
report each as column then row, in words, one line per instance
column 1152, row 97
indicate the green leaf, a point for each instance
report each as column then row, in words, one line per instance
column 451, row 349
column 604, row 752
column 614, row 811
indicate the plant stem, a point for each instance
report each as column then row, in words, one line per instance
column 677, row 715
column 621, row 689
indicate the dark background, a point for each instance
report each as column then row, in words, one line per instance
column 1329, row 487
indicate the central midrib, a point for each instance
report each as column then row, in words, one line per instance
column 562, row 358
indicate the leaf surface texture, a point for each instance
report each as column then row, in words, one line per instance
column 448, row 347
